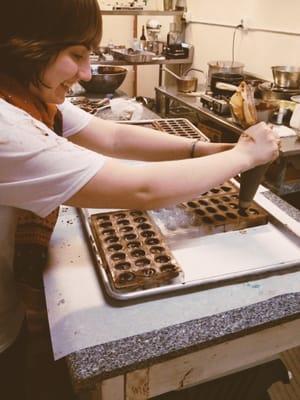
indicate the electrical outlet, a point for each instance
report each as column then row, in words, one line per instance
column 245, row 23
column 187, row 16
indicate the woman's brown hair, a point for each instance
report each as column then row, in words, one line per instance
column 33, row 32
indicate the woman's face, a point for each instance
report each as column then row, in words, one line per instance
column 71, row 65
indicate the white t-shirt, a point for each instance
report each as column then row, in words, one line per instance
column 38, row 172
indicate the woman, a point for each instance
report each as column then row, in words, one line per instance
column 44, row 50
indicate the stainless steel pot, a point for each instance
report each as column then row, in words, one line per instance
column 225, row 67
column 267, row 91
column 286, row 76
column 185, row 84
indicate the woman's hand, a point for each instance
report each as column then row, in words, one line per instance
column 259, row 144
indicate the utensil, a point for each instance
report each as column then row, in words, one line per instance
column 225, row 83
column 226, row 86
column 286, row 76
column 105, row 78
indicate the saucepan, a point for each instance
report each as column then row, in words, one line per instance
column 185, row 84
column 225, row 84
column 227, row 67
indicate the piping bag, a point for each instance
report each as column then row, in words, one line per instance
column 244, row 110
column 249, row 182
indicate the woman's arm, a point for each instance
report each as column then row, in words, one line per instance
column 160, row 184
column 138, row 143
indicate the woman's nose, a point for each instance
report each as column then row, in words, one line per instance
column 85, row 73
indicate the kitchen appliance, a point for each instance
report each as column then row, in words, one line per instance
column 217, row 104
column 225, row 67
column 208, row 240
column 286, row 76
column 153, row 44
column 177, row 51
column 222, row 86
column 105, row 78
column 153, row 27
column 175, row 46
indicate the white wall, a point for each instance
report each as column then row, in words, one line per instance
column 257, row 50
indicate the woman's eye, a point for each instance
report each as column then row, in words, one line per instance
column 78, row 56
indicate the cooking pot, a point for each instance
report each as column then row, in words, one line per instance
column 105, row 78
column 286, row 76
column 185, row 84
column 267, row 91
column 225, row 84
column 225, row 67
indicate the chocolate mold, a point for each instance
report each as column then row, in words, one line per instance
column 133, row 250
column 179, row 127
column 215, row 211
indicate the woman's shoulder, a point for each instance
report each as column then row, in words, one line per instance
column 20, row 130
column 11, row 114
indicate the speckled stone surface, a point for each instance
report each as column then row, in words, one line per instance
column 283, row 205
column 99, row 362
column 93, row 364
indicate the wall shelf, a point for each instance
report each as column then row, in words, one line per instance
column 141, row 12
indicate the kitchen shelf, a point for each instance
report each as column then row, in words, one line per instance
column 187, row 60
column 142, row 12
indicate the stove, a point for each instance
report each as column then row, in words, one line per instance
column 218, row 104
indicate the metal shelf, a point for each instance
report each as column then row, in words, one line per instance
column 141, row 12
column 187, row 60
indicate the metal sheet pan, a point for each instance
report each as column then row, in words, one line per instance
column 222, row 258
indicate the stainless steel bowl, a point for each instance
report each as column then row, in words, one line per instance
column 105, row 78
column 286, row 76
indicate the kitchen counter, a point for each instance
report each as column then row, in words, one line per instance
column 206, row 334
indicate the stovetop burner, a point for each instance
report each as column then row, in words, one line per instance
column 216, row 103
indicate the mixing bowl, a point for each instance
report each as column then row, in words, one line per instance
column 105, row 78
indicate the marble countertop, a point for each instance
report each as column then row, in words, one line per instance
column 99, row 362
column 112, row 358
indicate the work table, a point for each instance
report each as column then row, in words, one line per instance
column 211, row 332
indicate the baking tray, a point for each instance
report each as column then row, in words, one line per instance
column 134, row 56
column 218, row 258
column 133, row 250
